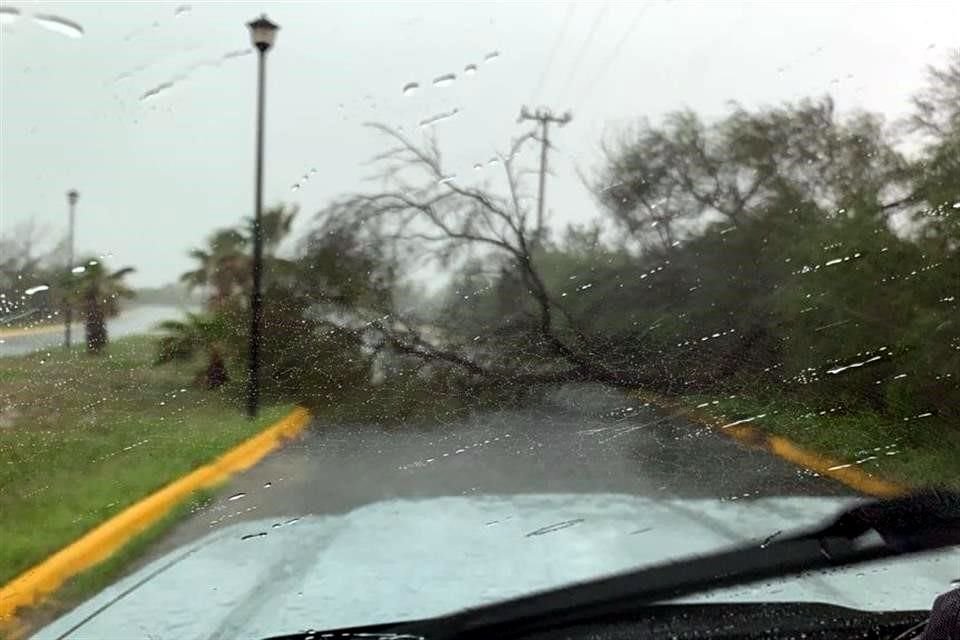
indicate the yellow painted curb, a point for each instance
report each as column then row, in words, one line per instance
column 853, row 477
column 29, row 587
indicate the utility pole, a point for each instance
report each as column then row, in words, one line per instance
column 544, row 116
column 72, row 196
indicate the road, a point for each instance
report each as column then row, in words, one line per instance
column 140, row 319
column 580, row 440
column 269, row 570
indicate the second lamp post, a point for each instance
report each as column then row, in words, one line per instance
column 72, row 196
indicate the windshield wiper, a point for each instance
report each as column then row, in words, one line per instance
column 920, row 522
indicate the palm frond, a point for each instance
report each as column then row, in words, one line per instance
column 122, row 273
column 172, row 326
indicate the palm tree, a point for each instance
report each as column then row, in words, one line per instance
column 96, row 292
column 275, row 226
column 209, row 332
column 223, row 268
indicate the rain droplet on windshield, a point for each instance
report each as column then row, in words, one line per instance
column 59, row 25
column 9, row 15
column 260, row 534
column 470, row 69
column 770, row 538
column 239, row 53
column 152, row 93
column 78, row 269
column 445, row 80
column 555, row 527
column 426, row 122
column 410, row 88
column 493, row 55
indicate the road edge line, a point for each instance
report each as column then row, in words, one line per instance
column 784, row 448
column 30, row 587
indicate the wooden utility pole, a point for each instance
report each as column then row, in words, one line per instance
column 544, row 116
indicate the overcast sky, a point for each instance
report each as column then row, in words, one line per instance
column 157, row 174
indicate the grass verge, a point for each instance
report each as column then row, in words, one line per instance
column 921, row 451
column 82, row 438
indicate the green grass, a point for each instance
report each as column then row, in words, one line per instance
column 83, row 437
column 920, row 452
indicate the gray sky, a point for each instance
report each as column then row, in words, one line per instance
column 157, row 175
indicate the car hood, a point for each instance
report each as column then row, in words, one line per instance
column 405, row 559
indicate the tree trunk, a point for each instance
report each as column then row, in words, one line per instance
column 96, row 326
column 215, row 375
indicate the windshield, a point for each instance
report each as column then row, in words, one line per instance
column 366, row 312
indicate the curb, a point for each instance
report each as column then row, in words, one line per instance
column 32, row 585
column 853, row 477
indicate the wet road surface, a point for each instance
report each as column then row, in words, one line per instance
column 580, row 440
column 139, row 319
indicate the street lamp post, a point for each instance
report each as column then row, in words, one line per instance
column 72, row 196
column 262, row 34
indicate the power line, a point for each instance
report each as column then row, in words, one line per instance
column 605, row 67
column 553, row 50
column 584, row 47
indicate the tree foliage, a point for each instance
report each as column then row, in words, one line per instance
column 789, row 249
column 306, row 355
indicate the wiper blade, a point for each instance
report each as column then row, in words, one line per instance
column 921, row 522
column 924, row 521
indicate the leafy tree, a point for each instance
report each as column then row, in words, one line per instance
column 768, row 251
column 423, row 214
column 664, row 184
column 932, row 337
column 24, row 268
column 936, row 173
column 788, row 249
column 785, row 226
column 334, row 265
